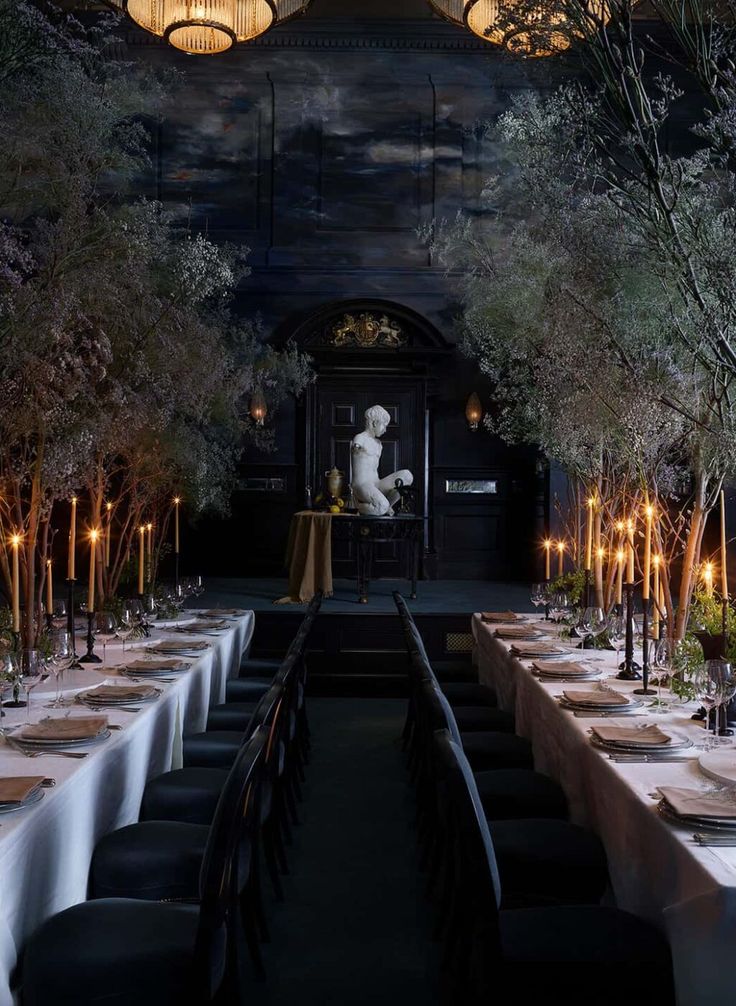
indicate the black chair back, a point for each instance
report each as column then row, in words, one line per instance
column 234, row 815
column 474, row 860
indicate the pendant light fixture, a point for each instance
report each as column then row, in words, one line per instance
column 523, row 27
column 206, row 27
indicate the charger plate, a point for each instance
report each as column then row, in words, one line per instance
column 35, row 797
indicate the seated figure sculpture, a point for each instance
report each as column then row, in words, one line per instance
column 374, row 496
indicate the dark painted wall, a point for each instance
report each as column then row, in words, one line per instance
column 326, row 147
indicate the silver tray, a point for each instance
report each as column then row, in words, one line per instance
column 51, row 744
column 682, row 744
column 720, row 824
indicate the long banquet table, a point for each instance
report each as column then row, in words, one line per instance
column 657, row 870
column 45, row 850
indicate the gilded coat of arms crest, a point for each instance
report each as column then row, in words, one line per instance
column 366, row 330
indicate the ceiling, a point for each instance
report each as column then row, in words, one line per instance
column 370, row 8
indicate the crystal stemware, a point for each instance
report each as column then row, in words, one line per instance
column 591, row 623
column 705, row 683
column 32, row 671
column 59, row 660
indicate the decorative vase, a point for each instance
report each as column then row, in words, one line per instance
column 333, row 480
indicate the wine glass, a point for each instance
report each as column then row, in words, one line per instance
column 663, row 651
column 617, row 634
column 59, row 660
column 722, row 674
column 591, row 623
column 32, row 672
column 706, row 691
column 538, row 594
column 559, row 606
column 105, row 626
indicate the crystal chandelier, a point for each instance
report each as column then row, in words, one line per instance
column 205, row 27
column 523, row 27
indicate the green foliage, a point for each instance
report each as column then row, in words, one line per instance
column 571, row 583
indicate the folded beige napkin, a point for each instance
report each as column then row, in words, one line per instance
column 631, row 736
column 692, row 803
column 18, row 788
column 154, row 665
column 602, row 697
column 174, row 646
column 536, row 649
column 201, row 625
column 562, row 668
column 499, row 616
column 217, row 612
column 517, row 632
column 119, row 693
column 68, row 728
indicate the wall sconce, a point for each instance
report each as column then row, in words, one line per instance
column 473, row 411
column 258, row 409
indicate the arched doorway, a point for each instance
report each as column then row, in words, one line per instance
column 368, row 352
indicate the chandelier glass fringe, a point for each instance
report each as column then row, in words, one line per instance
column 206, row 27
column 523, row 27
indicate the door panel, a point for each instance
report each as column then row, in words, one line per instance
column 341, row 405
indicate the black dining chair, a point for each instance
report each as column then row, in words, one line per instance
column 128, row 952
column 576, row 954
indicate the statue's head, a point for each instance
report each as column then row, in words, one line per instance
column 377, row 420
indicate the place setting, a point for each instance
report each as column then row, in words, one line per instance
column 601, row 701
column 54, row 735
column 203, row 626
column 564, row 671
column 115, row 696
column 195, row 647
column 160, row 669
column 20, row 792
column 712, row 812
column 645, row 742
column 531, row 648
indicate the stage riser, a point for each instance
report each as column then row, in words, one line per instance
column 360, row 654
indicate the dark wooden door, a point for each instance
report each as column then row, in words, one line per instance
column 340, row 407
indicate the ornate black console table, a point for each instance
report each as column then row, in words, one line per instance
column 406, row 530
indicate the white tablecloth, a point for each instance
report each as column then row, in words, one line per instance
column 45, row 850
column 657, row 871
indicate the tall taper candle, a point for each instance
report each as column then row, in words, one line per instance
column 70, row 567
column 655, row 614
column 49, row 588
column 177, row 501
column 649, row 513
column 630, row 551
column 589, row 535
column 724, row 563
column 708, row 578
column 15, row 544
column 108, row 534
column 620, row 560
column 547, row 547
column 560, row 557
column 141, row 557
column 93, row 537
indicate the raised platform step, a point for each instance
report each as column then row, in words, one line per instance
column 348, row 636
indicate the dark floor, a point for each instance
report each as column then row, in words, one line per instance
column 354, row 927
column 432, row 595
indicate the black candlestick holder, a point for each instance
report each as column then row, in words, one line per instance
column 70, row 625
column 176, row 574
column 629, row 669
column 546, row 603
column 90, row 656
column 49, row 620
column 645, row 689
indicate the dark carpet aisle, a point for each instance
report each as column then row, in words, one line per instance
column 354, row 928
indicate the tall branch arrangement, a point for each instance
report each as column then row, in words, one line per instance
column 602, row 300
column 123, row 374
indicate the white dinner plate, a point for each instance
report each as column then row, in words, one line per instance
column 719, row 765
column 80, row 742
column 676, row 745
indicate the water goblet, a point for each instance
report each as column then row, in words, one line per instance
column 617, row 633
column 537, row 594
column 32, row 671
column 591, row 623
column 59, row 660
column 705, row 684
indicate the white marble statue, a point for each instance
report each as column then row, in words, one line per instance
column 374, row 496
